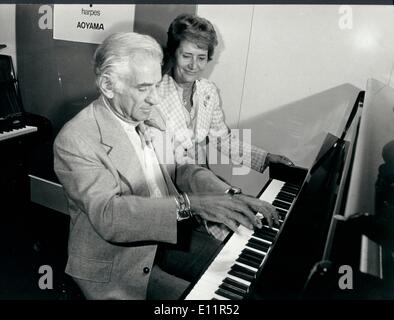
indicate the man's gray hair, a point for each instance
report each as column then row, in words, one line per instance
column 119, row 50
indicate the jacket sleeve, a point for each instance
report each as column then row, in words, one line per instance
column 236, row 144
column 95, row 190
column 199, row 180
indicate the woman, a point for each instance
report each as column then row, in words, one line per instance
column 191, row 104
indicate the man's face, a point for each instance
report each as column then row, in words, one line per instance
column 137, row 91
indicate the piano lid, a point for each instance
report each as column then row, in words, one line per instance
column 302, row 127
column 375, row 148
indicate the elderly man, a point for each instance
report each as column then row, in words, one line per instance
column 123, row 201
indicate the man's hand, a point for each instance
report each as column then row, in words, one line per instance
column 233, row 210
column 276, row 158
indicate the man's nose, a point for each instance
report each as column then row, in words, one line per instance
column 153, row 97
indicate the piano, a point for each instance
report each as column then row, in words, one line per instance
column 332, row 241
column 11, row 128
column 22, row 136
column 14, row 122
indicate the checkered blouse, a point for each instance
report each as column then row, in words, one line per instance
column 208, row 123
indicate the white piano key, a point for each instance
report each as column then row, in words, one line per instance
column 17, row 132
column 245, row 282
column 262, row 240
column 218, row 270
column 244, row 265
column 219, row 297
column 272, row 191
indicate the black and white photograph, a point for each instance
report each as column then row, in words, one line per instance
column 195, row 152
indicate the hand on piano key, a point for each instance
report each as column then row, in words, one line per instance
column 231, row 274
column 233, row 210
column 262, row 209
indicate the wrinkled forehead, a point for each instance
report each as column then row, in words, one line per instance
column 143, row 69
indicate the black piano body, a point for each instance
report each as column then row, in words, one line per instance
column 336, row 241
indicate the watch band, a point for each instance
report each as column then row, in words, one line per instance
column 233, row 190
column 183, row 206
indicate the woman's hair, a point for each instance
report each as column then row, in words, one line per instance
column 121, row 50
column 192, row 28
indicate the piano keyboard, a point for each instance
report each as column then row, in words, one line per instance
column 8, row 134
column 233, row 270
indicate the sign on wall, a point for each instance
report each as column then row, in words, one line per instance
column 91, row 23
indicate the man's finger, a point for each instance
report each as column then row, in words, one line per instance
column 239, row 206
column 270, row 213
column 286, row 161
column 230, row 224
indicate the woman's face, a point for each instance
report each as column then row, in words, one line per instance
column 190, row 62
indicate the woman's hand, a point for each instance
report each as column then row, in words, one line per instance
column 276, row 158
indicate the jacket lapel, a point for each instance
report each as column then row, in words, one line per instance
column 163, row 145
column 119, row 149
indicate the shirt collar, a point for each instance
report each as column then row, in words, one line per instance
column 128, row 125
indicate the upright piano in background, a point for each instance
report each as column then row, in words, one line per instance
column 22, row 136
column 336, row 233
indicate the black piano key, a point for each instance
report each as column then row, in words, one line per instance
column 263, row 244
column 284, row 200
column 267, row 230
column 227, row 294
column 285, row 196
column 239, row 268
column 292, row 185
column 236, row 283
column 257, row 246
column 281, row 204
column 248, row 262
column 251, row 257
column 256, row 255
column 290, row 190
column 241, row 275
column 282, row 213
column 289, row 196
column 233, row 289
column 253, row 261
column 264, row 236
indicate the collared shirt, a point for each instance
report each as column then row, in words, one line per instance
column 147, row 157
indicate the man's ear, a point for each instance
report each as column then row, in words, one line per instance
column 106, row 86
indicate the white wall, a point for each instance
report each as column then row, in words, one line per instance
column 271, row 58
column 7, row 30
column 227, row 69
column 295, row 51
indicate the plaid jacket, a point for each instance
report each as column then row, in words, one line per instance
column 209, row 123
